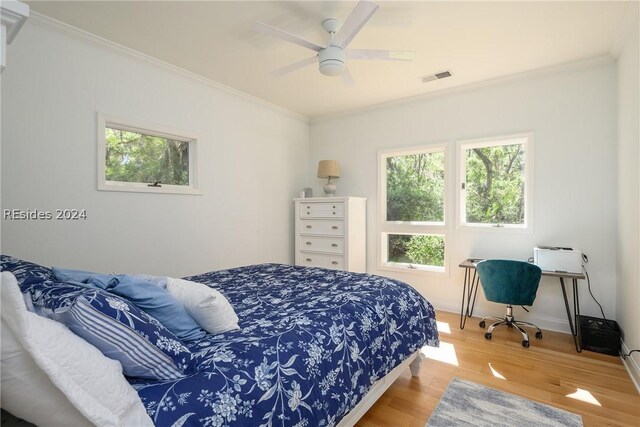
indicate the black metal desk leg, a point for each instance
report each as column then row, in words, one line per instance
column 566, row 306
column 576, row 310
column 463, row 317
column 469, row 295
column 474, row 288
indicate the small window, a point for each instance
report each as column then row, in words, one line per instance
column 144, row 158
column 412, row 223
column 415, row 250
column 495, row 181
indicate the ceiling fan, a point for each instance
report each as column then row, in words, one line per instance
column 331, row 58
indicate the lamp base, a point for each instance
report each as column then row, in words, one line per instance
column 329, row 189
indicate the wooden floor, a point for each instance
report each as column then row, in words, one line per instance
column 548, row 372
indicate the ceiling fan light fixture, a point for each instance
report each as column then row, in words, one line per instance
column 331, row 60
column 331, row 67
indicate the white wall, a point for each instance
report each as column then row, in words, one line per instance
column 253, row 160
column 628, row 295
column 55, row 84
column 572, row 112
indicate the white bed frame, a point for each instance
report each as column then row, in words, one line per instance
column 379, row 387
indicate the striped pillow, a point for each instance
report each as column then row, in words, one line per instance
column 119, row 329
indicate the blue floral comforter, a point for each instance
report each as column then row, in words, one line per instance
column 311, row 344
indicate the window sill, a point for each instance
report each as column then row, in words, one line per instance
column 420, row 270
column 526, row 229
column 144, row 188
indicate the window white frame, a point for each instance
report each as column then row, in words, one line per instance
column 385, row 228
column 113, row 122
column 462, row 146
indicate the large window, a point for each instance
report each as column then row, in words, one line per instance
column 495, row 182
column 412, row 223
column 134, row 157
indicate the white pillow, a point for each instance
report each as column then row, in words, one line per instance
column 58, row 369
column 23, row 380
column 207, row 306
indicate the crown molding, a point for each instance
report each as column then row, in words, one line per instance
column 14, row 14
column 569, row 66
column 44, row 21
column 624, row 32
column 85, row 36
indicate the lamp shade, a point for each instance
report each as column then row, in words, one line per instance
column 328, row 169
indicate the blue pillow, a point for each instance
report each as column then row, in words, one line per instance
column 146, row 295
column 25, row 272
column 117, row 328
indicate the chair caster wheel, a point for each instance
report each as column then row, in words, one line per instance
column 539, row 335
column 487, row 336
column 525, row 344
column 482, row 324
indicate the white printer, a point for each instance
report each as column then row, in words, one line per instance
column 556, row 258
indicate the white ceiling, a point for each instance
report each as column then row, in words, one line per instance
column 476, row 40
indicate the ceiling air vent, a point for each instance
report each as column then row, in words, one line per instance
column 436, row 76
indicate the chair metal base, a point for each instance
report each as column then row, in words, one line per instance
column 510, row 321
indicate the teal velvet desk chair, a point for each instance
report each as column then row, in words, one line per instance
column 512, row 283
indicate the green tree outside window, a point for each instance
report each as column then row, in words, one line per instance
column 135, row 157
column 495, row 178
column 416, row 249
column 415, row 193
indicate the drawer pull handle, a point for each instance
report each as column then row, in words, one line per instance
column 334, row 207
column 334, row 262
column 308, row 243
column 308, row 206
column 334, row 213
column 308, row 226
column 334, row 245
column 309, row 260
column 307, row 213
column 335, row 227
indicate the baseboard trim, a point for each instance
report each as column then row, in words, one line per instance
column 543, row 322
column 632, row 365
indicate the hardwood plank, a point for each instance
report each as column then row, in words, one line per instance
column 547, row 372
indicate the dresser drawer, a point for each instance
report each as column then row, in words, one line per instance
column 321, row 210
column 321, row 260
column 322, row 244
column 322, row 226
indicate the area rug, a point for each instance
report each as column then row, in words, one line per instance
column 469, row 404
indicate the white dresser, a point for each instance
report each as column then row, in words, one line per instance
column 330, row 232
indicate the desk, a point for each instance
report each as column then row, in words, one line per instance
column 470, row 292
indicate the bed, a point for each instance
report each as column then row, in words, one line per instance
column 315, row 347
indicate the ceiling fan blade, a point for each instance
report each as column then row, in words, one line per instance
column 354, row 23
column 384, row 55
column 347, row 78
column 292, row 67
column 283, row 35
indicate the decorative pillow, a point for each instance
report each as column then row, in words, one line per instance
column 206, row 305
column 25, row 272
column 123, row 332
column 160, row 281
column 52, row 377
column 23, row 381
column 145, row 295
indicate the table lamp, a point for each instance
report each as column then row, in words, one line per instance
column 328, row 169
